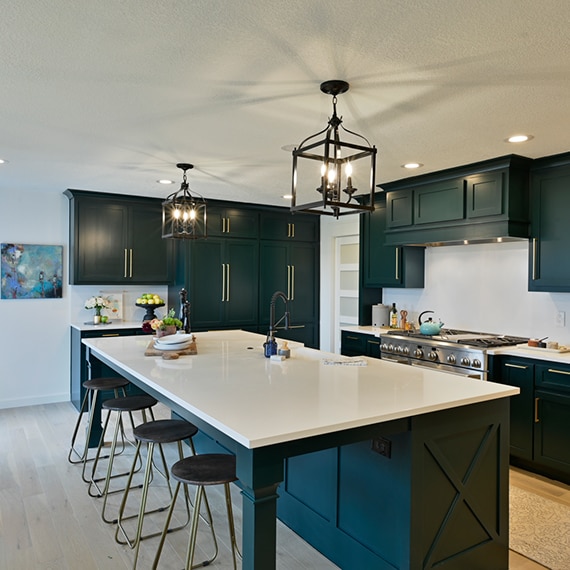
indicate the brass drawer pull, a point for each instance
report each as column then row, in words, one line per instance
column 111, row 334
column 373, row 342
column 352, row 337
column 516, row 366
column 554, row 371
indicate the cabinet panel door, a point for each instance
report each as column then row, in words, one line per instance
column 486, row 195
column 520, row 374
column 241, row 258
column 439, row 202
column 549, row 269
column 551, row 440
column 206, row 278
column 302, row 281
column 299, row 227
column 101, row 250
column 233, row 222
column 274, row 275
column 399, row 204
column 150, row 253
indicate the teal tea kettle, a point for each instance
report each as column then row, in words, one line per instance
column 429, row 327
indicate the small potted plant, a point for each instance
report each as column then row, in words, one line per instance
column 97, row 303
column 165, row 326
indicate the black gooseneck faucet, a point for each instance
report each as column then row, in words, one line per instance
column 270, row 345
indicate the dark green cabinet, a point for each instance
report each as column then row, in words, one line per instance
column 359, row 344
column 476, row 202
column 116, row 240
column 382, row 265
column 292, row 268
column 289, row 227
column 540, row 414
column 520, row 373
column 223, row 277
column 549, row 269
column 232, row 222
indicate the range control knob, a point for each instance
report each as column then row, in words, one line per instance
column 406, row 351
column 476, row 363
column 432, row 356
column 384, row 347
column 399, row 349
column 419, row 353
column 390, row 348
column 465, row 361
column 451, row 359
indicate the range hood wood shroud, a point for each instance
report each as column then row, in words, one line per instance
column 483, row 202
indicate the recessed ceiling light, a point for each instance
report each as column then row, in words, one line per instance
column 164, row 181
column 287, row 196
column 289, row 147
column 519, row 138
column 2, row 161
column 412, row 165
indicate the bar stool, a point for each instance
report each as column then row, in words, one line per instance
column 89, row 403
column 153, row 433
column 203, row 470
column 128, row 404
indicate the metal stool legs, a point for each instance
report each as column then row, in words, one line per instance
column 129, row 404
column 154, row 434
column 203, row 470
column 88, row 404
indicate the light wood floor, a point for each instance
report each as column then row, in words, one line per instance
column 48, row 521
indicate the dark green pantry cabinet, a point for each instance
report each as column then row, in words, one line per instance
column 383, row 265
column 223, row 281
column 232, row 222
column 289, row 227
column 549, row 269
column 116, row 239
column 292, row 268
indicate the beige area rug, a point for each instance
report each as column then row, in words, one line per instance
column 540, row 529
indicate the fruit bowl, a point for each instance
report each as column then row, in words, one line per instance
column 150, row 307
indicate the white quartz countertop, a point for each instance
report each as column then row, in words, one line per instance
column 113, row 325
column 535, row 353
column 257, row 401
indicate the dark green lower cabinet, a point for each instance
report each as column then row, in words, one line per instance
column 359, row 344
column 540, row 414
column 437, row 498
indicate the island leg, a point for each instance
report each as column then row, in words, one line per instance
column 259, row 478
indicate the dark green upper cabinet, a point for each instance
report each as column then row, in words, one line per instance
column 289, row 227
column 477, row 202
column 232, row 222
column 549, row 269
column 116, row 239
column 439, row 202
column 383, row 265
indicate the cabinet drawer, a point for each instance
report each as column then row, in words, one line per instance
column 353, row 344
column 554, row 376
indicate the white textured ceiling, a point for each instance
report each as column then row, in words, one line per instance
column 109, row 95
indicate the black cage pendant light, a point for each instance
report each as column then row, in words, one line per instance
column 183, row 215
column 329, row 173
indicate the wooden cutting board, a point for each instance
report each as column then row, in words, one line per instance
column 171, row 354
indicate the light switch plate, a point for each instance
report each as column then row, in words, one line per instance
column 561, row 318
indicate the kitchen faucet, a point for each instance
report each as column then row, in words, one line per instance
column 270, row 345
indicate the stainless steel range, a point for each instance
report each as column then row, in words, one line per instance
column 460, row 352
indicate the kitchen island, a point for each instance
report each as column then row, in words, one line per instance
column 434, row 445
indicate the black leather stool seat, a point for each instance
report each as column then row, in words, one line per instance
column 105, row 383
column 164, row 431
column 207, row 469
column 129, row 403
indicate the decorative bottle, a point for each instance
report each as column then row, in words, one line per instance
column 393, row 317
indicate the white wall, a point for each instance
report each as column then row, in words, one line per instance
column 484, row 288
column 35, row 333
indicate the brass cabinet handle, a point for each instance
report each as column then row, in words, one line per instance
column 223, row 282
column 534, row 246
column 228, row 226
column 554, row 371
column 515, row 366
column 288, row 230
column 131, row 262
column 536, row 419
column 351, row 337
column 110, row 334
column 228, row 282
column 292, row 230
column 288, row 282
column 292, row 282
column 125, row 269
column 397, row 263
column 373, row 342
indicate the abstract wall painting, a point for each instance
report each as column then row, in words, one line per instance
column 31, row 271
